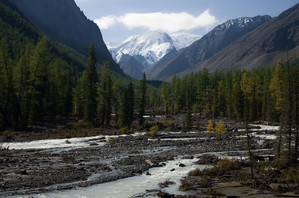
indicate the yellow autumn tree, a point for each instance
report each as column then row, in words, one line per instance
column 210, row 126
column 220, row 128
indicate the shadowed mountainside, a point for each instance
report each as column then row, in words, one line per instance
column 64, row 22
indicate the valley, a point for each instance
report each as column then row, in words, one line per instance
column 169, row 100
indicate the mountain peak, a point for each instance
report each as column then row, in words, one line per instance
column 242, row 22
column 152, row 45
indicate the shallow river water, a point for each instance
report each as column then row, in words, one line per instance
column 128, row 187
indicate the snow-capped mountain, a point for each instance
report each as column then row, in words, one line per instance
column 151, row 47
column 182, row 40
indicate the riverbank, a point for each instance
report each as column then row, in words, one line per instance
column 82, row 162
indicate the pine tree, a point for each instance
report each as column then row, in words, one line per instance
column 174, row 95
column 105, row 95
column 131, row 103
column 247, row 90
column 165, row 96
column 277, row 86
column 237, row 101
column 188, row 117
column 221, row 100
column 6, row 87
column 127, row 106
column 68, row 96
column 266, row 105
column 142, row 103
column 39, row 81
column 90, row 103
column 22, row 84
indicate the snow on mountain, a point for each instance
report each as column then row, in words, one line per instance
column 182, row 40
column 152, row 46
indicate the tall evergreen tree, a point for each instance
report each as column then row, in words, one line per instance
column 7, row 110
column 142, row 102
column 90, row 103
column 127, row 106
column 39, row 81
column 105, row 95
column 131, row 103
column 277, row 88
column 237, row 98
column 266, row 104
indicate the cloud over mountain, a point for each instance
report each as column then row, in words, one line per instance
column 159, row 21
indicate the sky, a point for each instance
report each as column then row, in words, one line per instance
column 119, row 19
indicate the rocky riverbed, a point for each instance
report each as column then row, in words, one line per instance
column 104, row 158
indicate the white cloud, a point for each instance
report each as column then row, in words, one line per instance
column 106, row 22
column 158, row 21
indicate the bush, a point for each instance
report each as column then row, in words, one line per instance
column 167, row 124
column 111, row 140
column 7, row 134
column 292, row 175
column 223, row 166
column 166, row 183
column 124, row 130
column 195, row 172
column 226, row 164
column 153, row 131
column 213, row 192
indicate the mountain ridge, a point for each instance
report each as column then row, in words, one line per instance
column 261, row 47
column 214, row 41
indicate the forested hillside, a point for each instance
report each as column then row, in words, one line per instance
column 37, row 76
column 42, row 79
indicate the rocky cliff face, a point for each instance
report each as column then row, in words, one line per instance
column 64, row 22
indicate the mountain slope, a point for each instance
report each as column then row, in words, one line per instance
column 203, row 49
column 64, row 22
column 131, row 66
column 19, row 33
column 182, row 40
column 262, row 47
column 153, row 69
